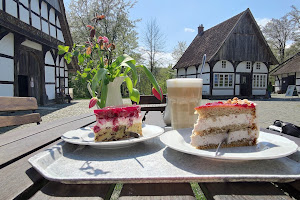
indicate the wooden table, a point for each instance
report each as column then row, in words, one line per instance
column 20, row 181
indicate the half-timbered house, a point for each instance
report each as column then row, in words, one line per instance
column 287, row 73
column 30, row 31
column 238, row 58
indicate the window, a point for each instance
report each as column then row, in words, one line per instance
column 259, row 81
column 248, row 65
column 223, row 64
column 223, row 80
column 258, row 65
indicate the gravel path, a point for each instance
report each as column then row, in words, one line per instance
column 278, row 107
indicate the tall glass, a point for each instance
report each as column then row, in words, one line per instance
column 184, row 94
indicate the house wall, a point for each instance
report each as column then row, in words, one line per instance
column 263, row 70
column 278, row 81
column 298, row 81
column 7, row 65
column 49, row 76
column 41, row 19
column 221, row 91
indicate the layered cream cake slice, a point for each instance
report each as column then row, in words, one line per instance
column 115, row 123
column 234, row 119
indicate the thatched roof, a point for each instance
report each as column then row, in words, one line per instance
column 291, row 65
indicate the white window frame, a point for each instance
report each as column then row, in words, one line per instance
column 258, row 65
column 223, row 63
column 220, row 80
column 259, row 81
column 248, row 65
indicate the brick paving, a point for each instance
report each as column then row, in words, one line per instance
column 279, row 107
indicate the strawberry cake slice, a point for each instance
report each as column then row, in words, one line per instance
column 117, row 122
column 234, row 120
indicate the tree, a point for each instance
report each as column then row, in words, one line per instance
column 278, row 32
column 154, row 41
column 179, row 50
column 295, row 16
column 117, row 26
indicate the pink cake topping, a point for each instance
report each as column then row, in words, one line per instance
column 117, row 111
column 229, row 103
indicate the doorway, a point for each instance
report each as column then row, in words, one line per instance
column 23, row 85
column 245, row 84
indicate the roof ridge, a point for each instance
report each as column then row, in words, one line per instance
column 285, row 62
column 229, row 33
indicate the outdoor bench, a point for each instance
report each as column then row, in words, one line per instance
column 151, row 103
column 10, row 105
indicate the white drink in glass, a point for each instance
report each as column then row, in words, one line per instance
column 184, row 94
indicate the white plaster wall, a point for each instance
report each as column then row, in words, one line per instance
column 57, row 22
column 237, row 78
column 48, row 59
column 263, row 68
column 298, row 89
column 52, row 31
column 237, row 90
column 52, row 16
column 7, row 90
column 259, row 92
column 45, row 27
column 7, row 66
column 32, row 45
column 66, row 82
column 35, row 21
column 191, row 70
column 57, row 83
column 242, row 67
column 222, row 92
column 44, row 11
column 24, row 15
column 24, row 2
column 7, row 45
column 181, row 71
column 57, row 61
column 60, row 35
column 35, row 6
column 50, row 91
column 218, row 67
column 205, row 69
column 49, row 74
column 1, row 5
column 298, row 75
column 191, row 76
column 62, row 72
column 62, row 63
column 57, row 71
column 206, row 78
column 11, row 8
column 297, row 81
column 206, row 90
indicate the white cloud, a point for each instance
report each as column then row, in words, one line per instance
column 262, row 21
column 189, row 30
column 164, row 58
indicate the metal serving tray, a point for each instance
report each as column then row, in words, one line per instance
column 152, row 162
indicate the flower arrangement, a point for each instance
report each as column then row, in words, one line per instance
column 96, row 58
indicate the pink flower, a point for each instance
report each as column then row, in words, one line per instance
column 103, row 39
column 93, row 31
column 93, row 102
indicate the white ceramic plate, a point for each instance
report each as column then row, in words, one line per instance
column 269, row 146
column 85, row 136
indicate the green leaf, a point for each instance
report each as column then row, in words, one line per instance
column 61, row 52
column 67, row 57
column 75, row 53
column 131, row 65
column 99, row 76
column 134, row 94
column 103, row 95
column 63, row 48
column 87, row 69
column 80, row 59
column 83, row 75
column 151, row 79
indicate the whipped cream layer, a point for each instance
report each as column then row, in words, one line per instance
column 125, row 121
column 197, row 140
column 218, row 122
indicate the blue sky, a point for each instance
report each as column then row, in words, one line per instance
column 178, row 20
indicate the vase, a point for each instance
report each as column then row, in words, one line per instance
column 114, row 97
